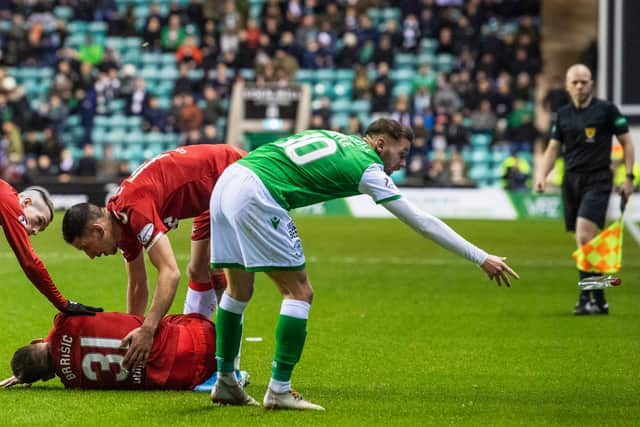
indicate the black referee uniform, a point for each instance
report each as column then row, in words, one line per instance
column 585, row 135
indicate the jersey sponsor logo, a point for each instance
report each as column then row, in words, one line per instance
column 23, row 221
column 292, row 230
column 275, row 221
column 122, row 217
column 145, row 234
column 620, row 121
column 590, row 133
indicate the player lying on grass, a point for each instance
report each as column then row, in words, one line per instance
column 253, row 232
column 172, row 186
column 27, row 214
column 85, row 352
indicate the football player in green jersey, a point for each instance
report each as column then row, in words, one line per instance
column 254, row 232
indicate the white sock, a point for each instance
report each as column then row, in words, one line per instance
column 279, row 386
column 203, row 302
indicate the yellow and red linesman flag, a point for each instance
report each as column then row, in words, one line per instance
column 603, row 253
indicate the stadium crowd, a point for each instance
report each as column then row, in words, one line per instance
column 460, row 73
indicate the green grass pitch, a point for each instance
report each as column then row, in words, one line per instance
column 401, row 333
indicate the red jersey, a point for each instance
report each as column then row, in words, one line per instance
column 86, row 352
column 14, row 225
column 175, row 185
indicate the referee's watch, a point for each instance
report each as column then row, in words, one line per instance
column 631, row 176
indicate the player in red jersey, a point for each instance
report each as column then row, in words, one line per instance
column 174, row 185
column 27, row 214
column 84, row 352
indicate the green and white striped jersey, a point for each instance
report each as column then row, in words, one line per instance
column 318, row 165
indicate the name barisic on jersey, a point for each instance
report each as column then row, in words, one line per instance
column 65, row 358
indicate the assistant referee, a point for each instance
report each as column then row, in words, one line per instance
column 583, row 130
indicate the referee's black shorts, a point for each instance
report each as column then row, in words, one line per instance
column 586, row 195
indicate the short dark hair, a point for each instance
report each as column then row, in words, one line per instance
column 390, row 128
column 76, row 219
column 44, row 195
column 28, row 368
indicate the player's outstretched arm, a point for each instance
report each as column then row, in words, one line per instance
column 137, row 286
column 10, row 382
column 434, row 229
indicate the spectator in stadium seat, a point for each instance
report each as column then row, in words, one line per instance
column 354, row 125
column 152, row 34
column 184, row 84
column 458, row 136
column 87, row 78
column 138, row 101
column 521, row 129
column 424, row 78
column 90, row 51
column 503, row 98
column 154, row 117
column 445, row 99
column 104, row 10
column 192, row 137
column 445, row 42
column 523, row 90
column 324, row 111
column 457, row 170
column 516, row 172
column 583, row 130
column 123, row 24
column 349, row 54
column 484, row 119
column 64, row 80
column 555, row 97
column 172, row 35
column 361, row 83
column 16, row 41
column 107, row 167
column 190, row 117
column 87, row 164
column 380, row 99
column 383, row 76
column 210, row 135
column 189, row 53
column 410, row 34
column 383, row 52
column 212, row 109
column 401, row 111
column 242, row 202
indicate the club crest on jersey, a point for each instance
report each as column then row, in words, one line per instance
column 23, row 221
column 590, row 133
column 145, row 234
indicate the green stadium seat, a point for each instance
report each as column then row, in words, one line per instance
column 391, row 13
column 480, row 156
column 76, row 27
column 343, row 89
column 98, row 135
column 63, row 12
column 341, row 106
column 444, row 62
column 361, row 106
column 480, row 140
column 405, row 75
column 195, row 74
column 118, row 122
column 103, row 122
column 168, row 59
column 343, row 74
column 97, row 27
column 323, row 89
column 426, row 58
column 401, row 89
column 405, row 60
column 118, row 105
column 134, row 122
column 304, row 75
column 325, row 75
column 247, row 73
column 340, row 120
column 428, row 45
column 133, row 42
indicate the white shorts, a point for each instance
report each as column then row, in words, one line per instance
column 249, row 229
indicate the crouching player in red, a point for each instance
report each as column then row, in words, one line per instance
column 85, row 352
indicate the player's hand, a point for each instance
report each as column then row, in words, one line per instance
column 539, row 186
column 139, row 341
column 496, row 268
column 75, row 308
column 10, row 382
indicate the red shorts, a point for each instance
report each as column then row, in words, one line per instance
column 201, row 228
column 195, row 358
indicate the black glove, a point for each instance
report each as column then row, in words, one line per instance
column 75, row 308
